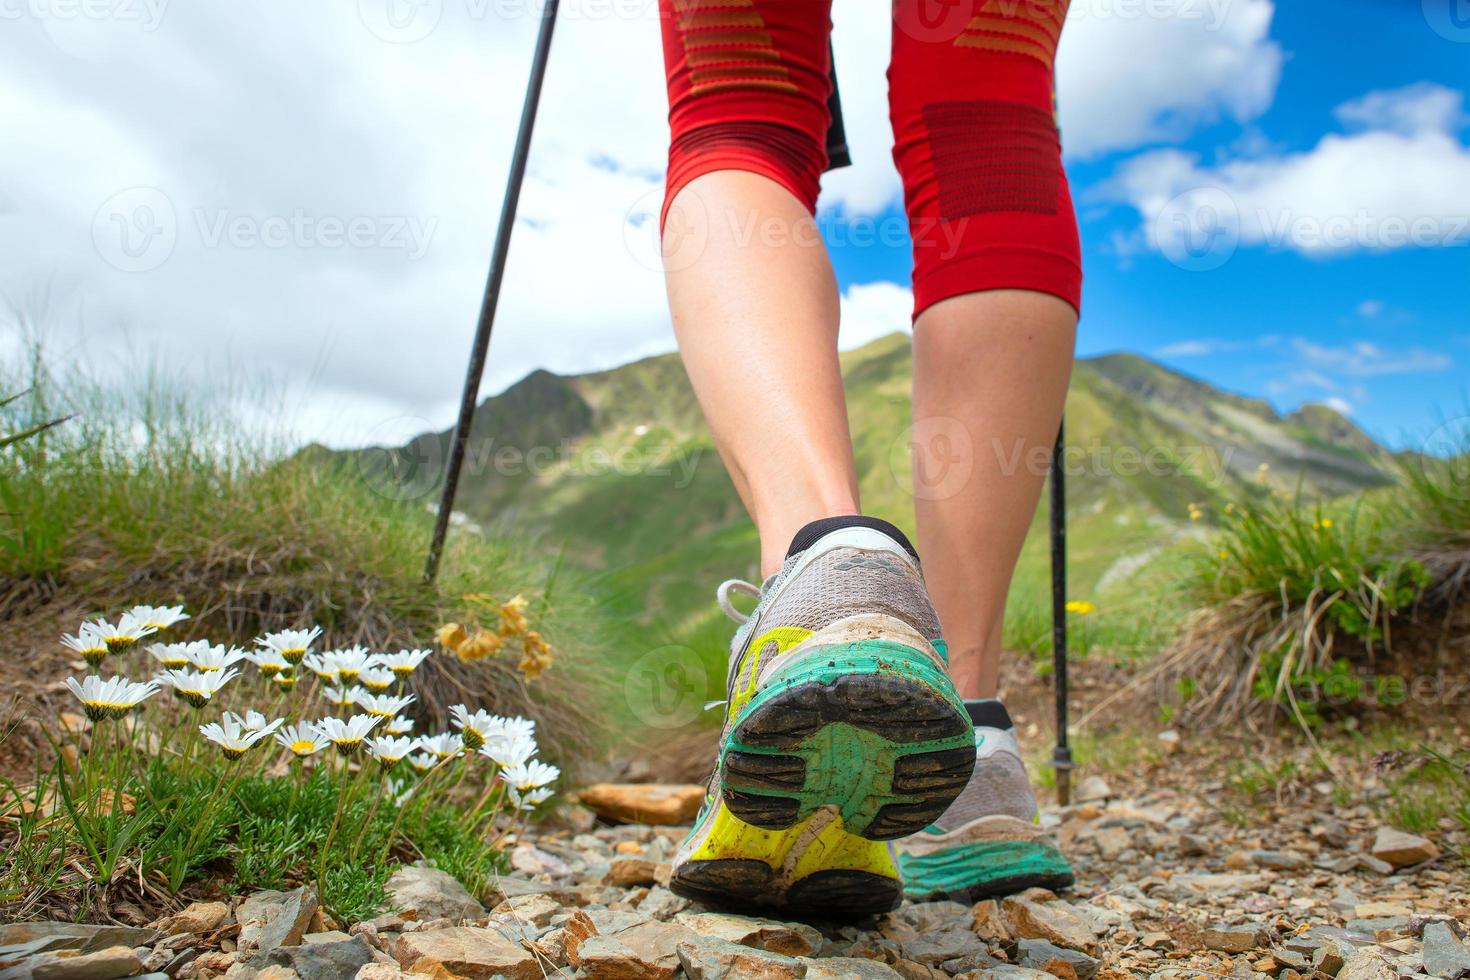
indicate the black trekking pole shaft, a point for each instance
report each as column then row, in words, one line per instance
column 1062, row 756
column 492, row 287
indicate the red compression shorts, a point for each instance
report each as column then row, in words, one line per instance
column 970, row 93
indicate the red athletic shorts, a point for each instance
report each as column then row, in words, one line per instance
column 970, row 93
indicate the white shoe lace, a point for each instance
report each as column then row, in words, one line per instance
column 722, row 596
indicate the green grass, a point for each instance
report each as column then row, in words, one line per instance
column 162, row 493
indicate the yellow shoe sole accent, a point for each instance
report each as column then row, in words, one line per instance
column 813, row 867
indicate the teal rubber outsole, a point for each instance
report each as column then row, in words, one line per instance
column 989, row 869
column 871, row 727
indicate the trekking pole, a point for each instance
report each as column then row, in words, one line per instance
column 1061, row 759
column 492, row 287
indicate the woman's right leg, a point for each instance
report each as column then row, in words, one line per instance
column 751, row 290
column 756, row 320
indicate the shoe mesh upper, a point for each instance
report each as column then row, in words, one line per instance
column 999, row 786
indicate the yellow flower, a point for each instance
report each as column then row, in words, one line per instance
column 1326, row 523
column 1224, row 554
column 535, row 655
column 513, row 617
column 481, row 644
column 1195, row 513
column 451, row 635
column 1081, row 607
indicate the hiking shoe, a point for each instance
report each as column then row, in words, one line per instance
column 842, row 731
column 989, row 843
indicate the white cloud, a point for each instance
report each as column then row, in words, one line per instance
column 1419, row 108
column 1379, row 189
column 1339, row 405
column 873, row 310
column 1370, row 308
column 1365, row 359
column 1131, row 72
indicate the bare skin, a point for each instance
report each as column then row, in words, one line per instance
column 755, row 309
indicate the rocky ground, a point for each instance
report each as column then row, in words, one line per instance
column 1170, row 886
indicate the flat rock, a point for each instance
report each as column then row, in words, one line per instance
column 196, row 917
column 631, row 872
column 1054, row 922
column 103, row 964
column 1444, row 955
column 74, row 935
column 538, row 910
column 652, row 803
column 324, row 959
column 790, row 938
column 269, row 919
column 1038, row 954
column 1401, row 849
column 1093, row 789
column 1233, row 939
column 654, row 941
column 989, row 922
column 708, row 958
column 431, row 894
column 465, row 951
column 1367, row 964
column 849, row 968
column 608, row 958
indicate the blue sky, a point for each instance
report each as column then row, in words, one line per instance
column 1271, row 320
column 304, row 195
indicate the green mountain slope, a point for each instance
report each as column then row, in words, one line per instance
column 618, row 468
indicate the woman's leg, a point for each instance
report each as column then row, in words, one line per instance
column 751, row 290
column 756, row 320
column 997, row 280
column 994, row 367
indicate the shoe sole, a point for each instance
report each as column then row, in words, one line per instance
column 855, row 738
column 812, row 870
column 992, row 867
column 871, row 727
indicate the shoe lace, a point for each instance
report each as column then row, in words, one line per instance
column 729, row 586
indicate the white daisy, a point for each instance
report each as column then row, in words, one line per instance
column 124, row 635
column 319, row 665
column 88, row 643
column 474, row 727
column 176, row 656
column 303, row 740
column 376, row 679
column 254, row 721
column 349, row 663
column 398, row 726
column 389, row 751
column 509, row 752
column 529, row 775
column 529, row 800
column 269, row 660
column 444, row 746
column 217, row 657
column 404, row 662
column 347, row 735
column 111, row 698
column 285, row 680
column 234, row 738
column 158, row 617
column 197, row 687
column 422, row 761
column 342, row 697
column 382, row 705
column 292, row 645
column 517, row 727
